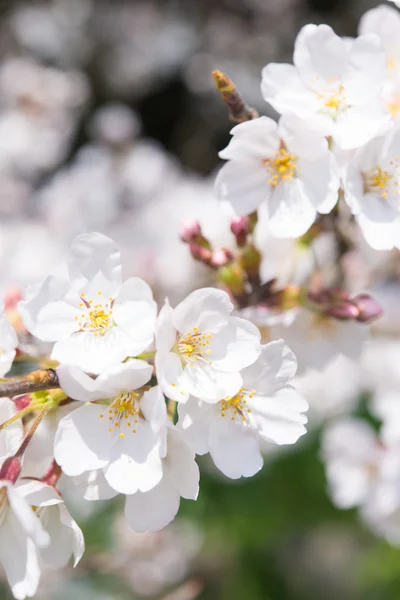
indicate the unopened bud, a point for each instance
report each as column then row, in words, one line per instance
column 221, row 257
column 250, row 260
column 201, row 254
column 189, row 231
column 240, row 227
column 343, row 311
column 368, row 308
column 11, row 469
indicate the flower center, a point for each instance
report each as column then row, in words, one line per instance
column 3, row 504
column 236, row 406
column 95, row 317
column 331, row 94
column 382, row 181
column 193, row 346
column 124, row 411
column 393, row 106
column 281, row 168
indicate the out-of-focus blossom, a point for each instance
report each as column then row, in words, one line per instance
column 8, row 343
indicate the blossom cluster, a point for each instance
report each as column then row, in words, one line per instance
column 130, row 391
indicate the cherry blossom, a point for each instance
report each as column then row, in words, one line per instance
column 334, row 84
column 265, row 406
column 201, row 347
column 286, row 166
column 125, row 436
column 94, row 318
column 8, row 343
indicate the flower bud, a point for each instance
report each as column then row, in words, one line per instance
column 250, row 260
column 189, row 230
column 221, row 257
column 201, row 254
column 241, row 227
column 22, row 402
column 343, row 311
column 11, row 469
column 368, row 308
column 233, row 277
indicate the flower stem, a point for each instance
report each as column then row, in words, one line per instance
column 22, row 413
column 42, row 379
column 146, row 355
column 21, row 450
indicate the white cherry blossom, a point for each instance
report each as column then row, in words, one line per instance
column 201, row 347
column 8, row 343
column 287, row 167
column 334, row 84
column 264, row 406
column 95, row 319
column 22, row 536
column 66, row 538
column 317, row 339
column 371, row 182
column 11, row 437
column 125, row 438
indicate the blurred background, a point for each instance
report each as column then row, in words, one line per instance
column 109, row 121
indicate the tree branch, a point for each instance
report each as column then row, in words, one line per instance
column 43, row 379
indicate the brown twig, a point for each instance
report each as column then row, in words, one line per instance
column 43, row 379
column 239, row 111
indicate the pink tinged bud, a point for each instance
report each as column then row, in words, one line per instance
column 343, row 311
column 189, row 230
column 11, row 469
column 201, row 254
column 368, row 308
column 221, row 257
column 240, row 227
column 22, row 402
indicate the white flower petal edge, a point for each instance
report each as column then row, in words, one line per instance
column 66, row 538
column 21, row 538
column 8, row 343
column 265, row 406
column 11, row 437
column 95, row 320
column 155, row 509
column 201, row 347
column 289, row 167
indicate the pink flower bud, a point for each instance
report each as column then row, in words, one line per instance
column 368, row 308
column 11, row 469
column 189, row 230
column 201, row 254
column 22, row 402
column 343, row 311
column 240, row 227
column 221, row 257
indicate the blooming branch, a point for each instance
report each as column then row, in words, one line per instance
column 37, row 381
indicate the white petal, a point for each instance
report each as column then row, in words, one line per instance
column 165, row 330
column 279, row 418
column 136, row 469
column 94, row 486
column 187, row 313
column 235, row 346
column 319, row 53
column 321, row 181
column 169, row 376
column 301, row 139
column 379, row 222
column 26, row 517
column 283, row 89
column 93, row 353
column 127, row 376
column 195, row 418
column 83, row 441
column 153, row 510
column 291, row 211
column 19, row 558
column 358, row 125
column 135, row 312
column 181, row 466
column 66, row 537
column 11, row 437
column 274, row 368
column 37, row 493
column 207, row 383
column 244, row 184
column 234, row 448
column 365, row 74
column 255, row 139
column 95, row 260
